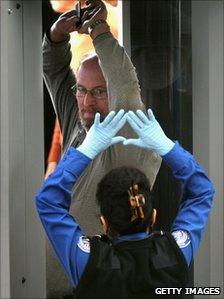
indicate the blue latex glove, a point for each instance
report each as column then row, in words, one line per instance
column 151, row 135
column 101, row 134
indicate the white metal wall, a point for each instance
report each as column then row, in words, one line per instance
column 22, row 243
column 208, row 79
column 124, row 36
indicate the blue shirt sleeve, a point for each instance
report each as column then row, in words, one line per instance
column 53, row 203
column 196, row 202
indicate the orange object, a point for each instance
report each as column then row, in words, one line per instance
column 55, row 151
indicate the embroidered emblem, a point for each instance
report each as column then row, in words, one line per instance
column 182, row 238
column 84, row 244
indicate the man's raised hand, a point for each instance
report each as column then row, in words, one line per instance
column 94, row 11
column 64, row 25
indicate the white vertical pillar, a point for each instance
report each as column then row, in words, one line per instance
column 33, row 146
column 124, row 25
column 4, row 185
column 207, row 63
column 22, row 150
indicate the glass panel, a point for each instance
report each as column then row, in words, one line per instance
column 161, row 51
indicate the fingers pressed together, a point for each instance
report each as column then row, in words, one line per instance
column 102, row 134
column 137, row 119
column 150, row 134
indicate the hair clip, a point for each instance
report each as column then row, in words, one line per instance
column 137, row 201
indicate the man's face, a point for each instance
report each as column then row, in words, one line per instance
column 91, row 92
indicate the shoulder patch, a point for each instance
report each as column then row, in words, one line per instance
column 84, row 244
column 182, row 238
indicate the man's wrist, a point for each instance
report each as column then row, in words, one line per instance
column 100, row 28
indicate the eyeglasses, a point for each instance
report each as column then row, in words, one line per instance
column 97, row 92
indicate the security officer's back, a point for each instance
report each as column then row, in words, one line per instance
column 132, row 269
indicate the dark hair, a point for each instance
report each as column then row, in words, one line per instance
column 113, row 199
